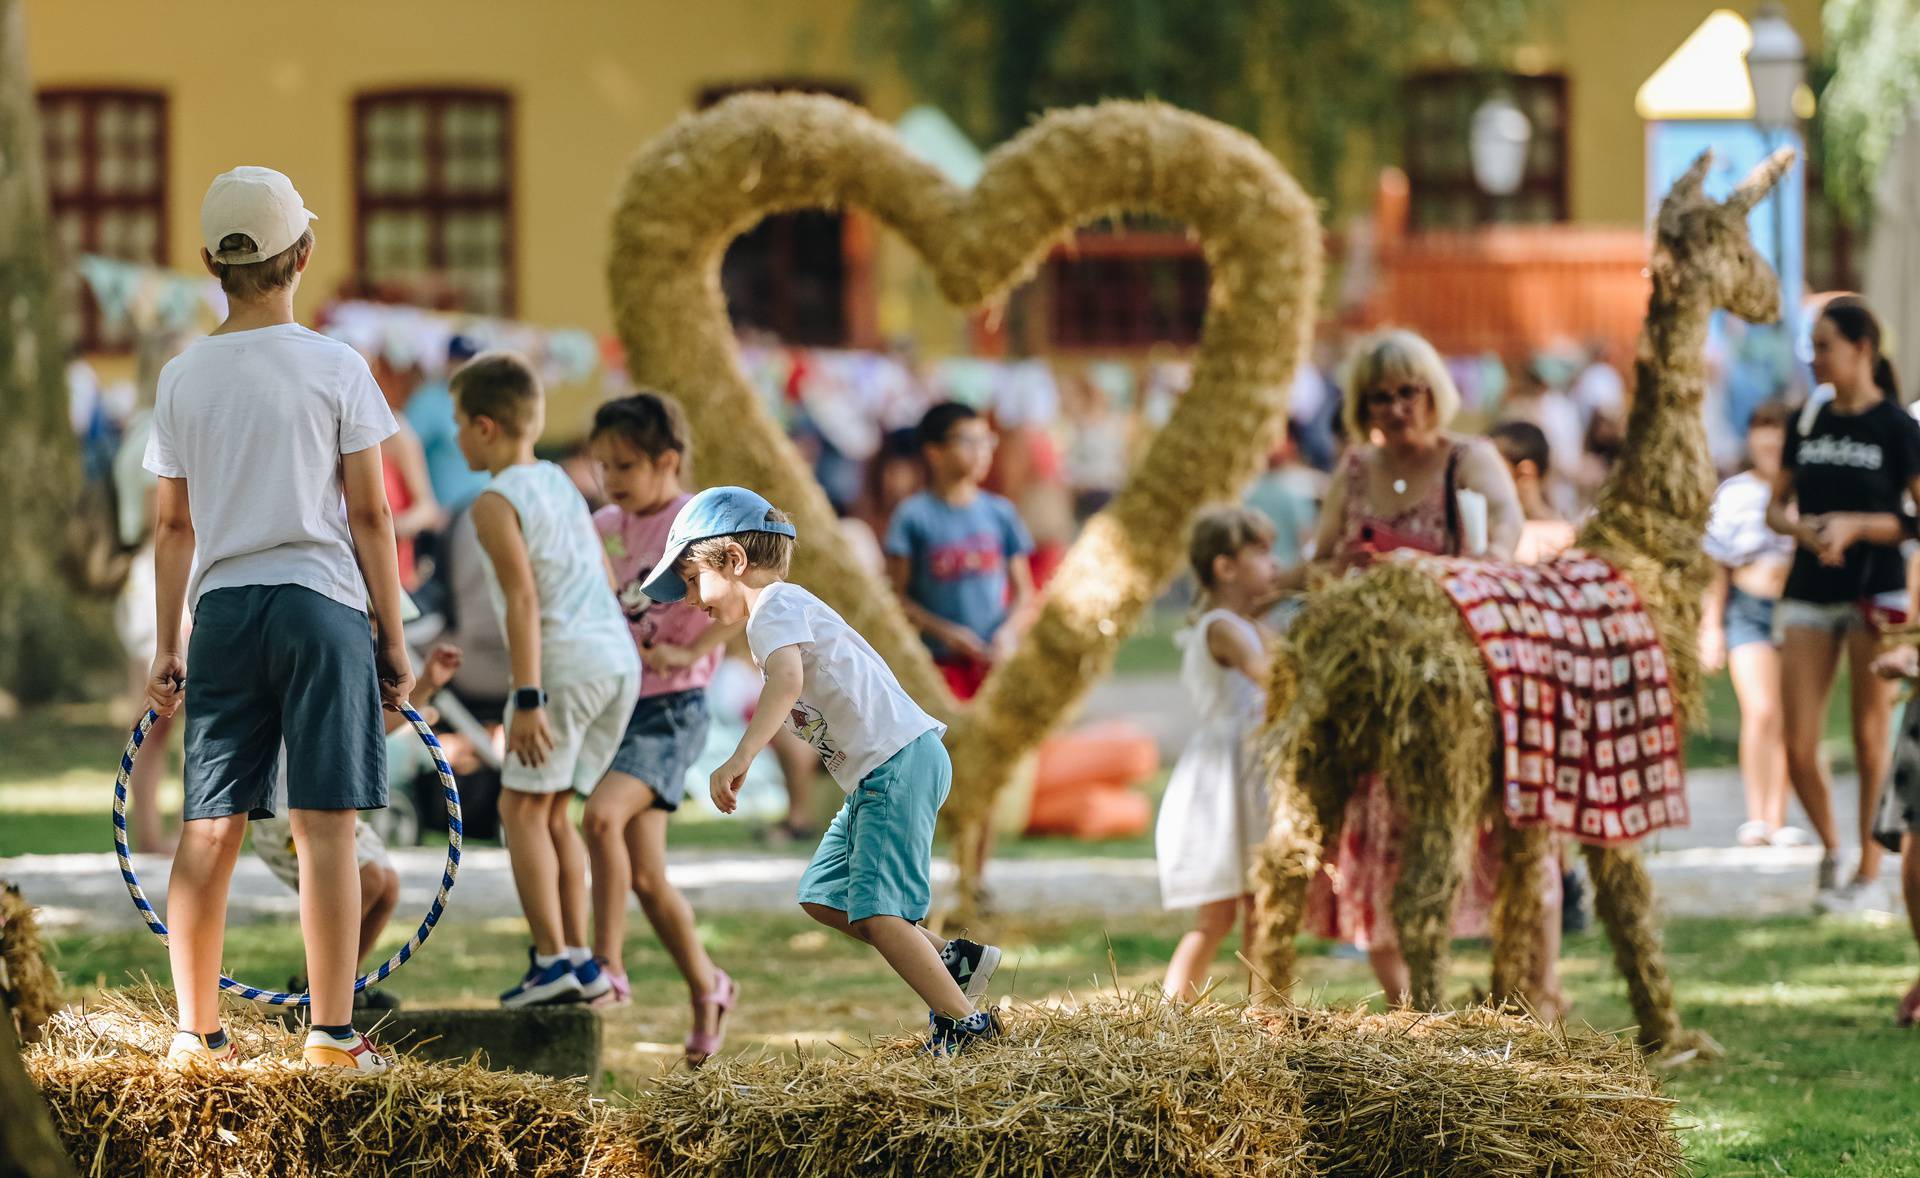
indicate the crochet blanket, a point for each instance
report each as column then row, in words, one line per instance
column 1591, row 744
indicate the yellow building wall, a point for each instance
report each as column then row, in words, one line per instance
column 273, row 83
column 1607, row 48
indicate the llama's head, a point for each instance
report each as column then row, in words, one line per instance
column 1703, row 244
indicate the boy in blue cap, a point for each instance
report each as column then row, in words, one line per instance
column 727, row 554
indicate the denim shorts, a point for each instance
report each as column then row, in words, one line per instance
column 269, row 663
column 665, row 735
column 876, row 858
column 1837, row 617
column 1749, row 619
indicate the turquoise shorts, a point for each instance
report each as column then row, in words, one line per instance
column 876, row 858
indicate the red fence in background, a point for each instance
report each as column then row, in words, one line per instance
column 1513, row 290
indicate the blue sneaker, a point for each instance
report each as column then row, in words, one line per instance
column 544, row 985
column 951, row 1036
column 594, row 982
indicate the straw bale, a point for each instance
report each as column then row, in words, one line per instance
column 713, row 175
column 1473, row 1094
column 29, row 984
column 1132, row 1085
column 121, row 1113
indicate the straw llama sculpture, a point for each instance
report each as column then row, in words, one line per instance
column 1379, row 674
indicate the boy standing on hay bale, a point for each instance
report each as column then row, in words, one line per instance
column 575, row 673
column 727, row 554
column 272, row 427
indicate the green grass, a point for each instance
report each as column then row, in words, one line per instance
column 1815, row 1081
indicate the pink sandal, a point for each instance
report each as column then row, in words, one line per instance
column 702, row 1045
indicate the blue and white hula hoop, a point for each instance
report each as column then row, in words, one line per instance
column 275, row 997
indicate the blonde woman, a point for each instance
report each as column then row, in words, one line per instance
column 1399, row 483
column 1399, row 487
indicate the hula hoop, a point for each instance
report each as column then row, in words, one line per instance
column 277, row 997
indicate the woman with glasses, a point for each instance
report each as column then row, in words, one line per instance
column 1399, row 487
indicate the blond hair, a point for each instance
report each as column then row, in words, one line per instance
column 765, row 550
column 1224, row 531
column 252, row 280
column 1395, row 355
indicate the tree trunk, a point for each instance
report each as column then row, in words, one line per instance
column 44, row 625
column 29, row 1148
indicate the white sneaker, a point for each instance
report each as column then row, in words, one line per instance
column 325, row 1051
column 1856, row 897
column 189, row 1052
column 1791, row 836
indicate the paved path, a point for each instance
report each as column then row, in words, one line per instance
column 1695, row 872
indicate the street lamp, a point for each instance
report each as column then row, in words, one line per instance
column 1497, row 145
column 1776, row 66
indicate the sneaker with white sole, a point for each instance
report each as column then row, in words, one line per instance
column 189, row 1052
column 972, row 965
column 595, row 983
column 358, row 1054
column 951, row 1036
column 1826, row 883
column 1857, row 897
column 543, row 985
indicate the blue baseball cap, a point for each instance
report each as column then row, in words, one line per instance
column 716, row 511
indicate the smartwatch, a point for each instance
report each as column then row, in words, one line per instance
column 525, row 699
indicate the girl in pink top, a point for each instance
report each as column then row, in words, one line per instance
column 641, row 450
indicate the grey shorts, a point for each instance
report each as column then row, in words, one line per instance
column 586, row 720
column 665, row 736
column 269, row 663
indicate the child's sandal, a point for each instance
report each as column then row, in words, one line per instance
column 703, row 1045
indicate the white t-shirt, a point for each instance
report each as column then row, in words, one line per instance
column 256, row 422
column 851, row 709
column 583, row 632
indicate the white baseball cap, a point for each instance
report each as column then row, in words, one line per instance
column 258, row 202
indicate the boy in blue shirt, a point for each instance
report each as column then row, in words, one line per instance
column 957, row 554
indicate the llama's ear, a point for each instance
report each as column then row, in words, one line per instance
column 1761, row 180
column 1692, row 182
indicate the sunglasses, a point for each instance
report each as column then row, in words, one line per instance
column 1406, row 394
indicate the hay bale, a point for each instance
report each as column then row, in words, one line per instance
column 120, row 1112
column 1473, row 1094
column 1124, row 1086
column 29, row 984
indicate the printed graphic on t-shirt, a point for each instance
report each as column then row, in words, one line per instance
column 1832, row 451
column 635, row 603
column 971, row 556
column 810, row 725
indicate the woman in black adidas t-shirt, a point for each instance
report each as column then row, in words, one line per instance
column 1841, row 496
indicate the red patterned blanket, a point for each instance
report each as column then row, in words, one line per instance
column 1591, row 741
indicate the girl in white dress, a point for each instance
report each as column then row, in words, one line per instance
column 1215, row 809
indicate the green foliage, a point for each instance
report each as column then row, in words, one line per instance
column 1874, row 48
column 1319, row 80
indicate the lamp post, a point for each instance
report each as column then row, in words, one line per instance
column 1776, row 67
column 1497, row 143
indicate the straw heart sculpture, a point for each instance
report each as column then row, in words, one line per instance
column 714, row 175
column 1379, row 674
